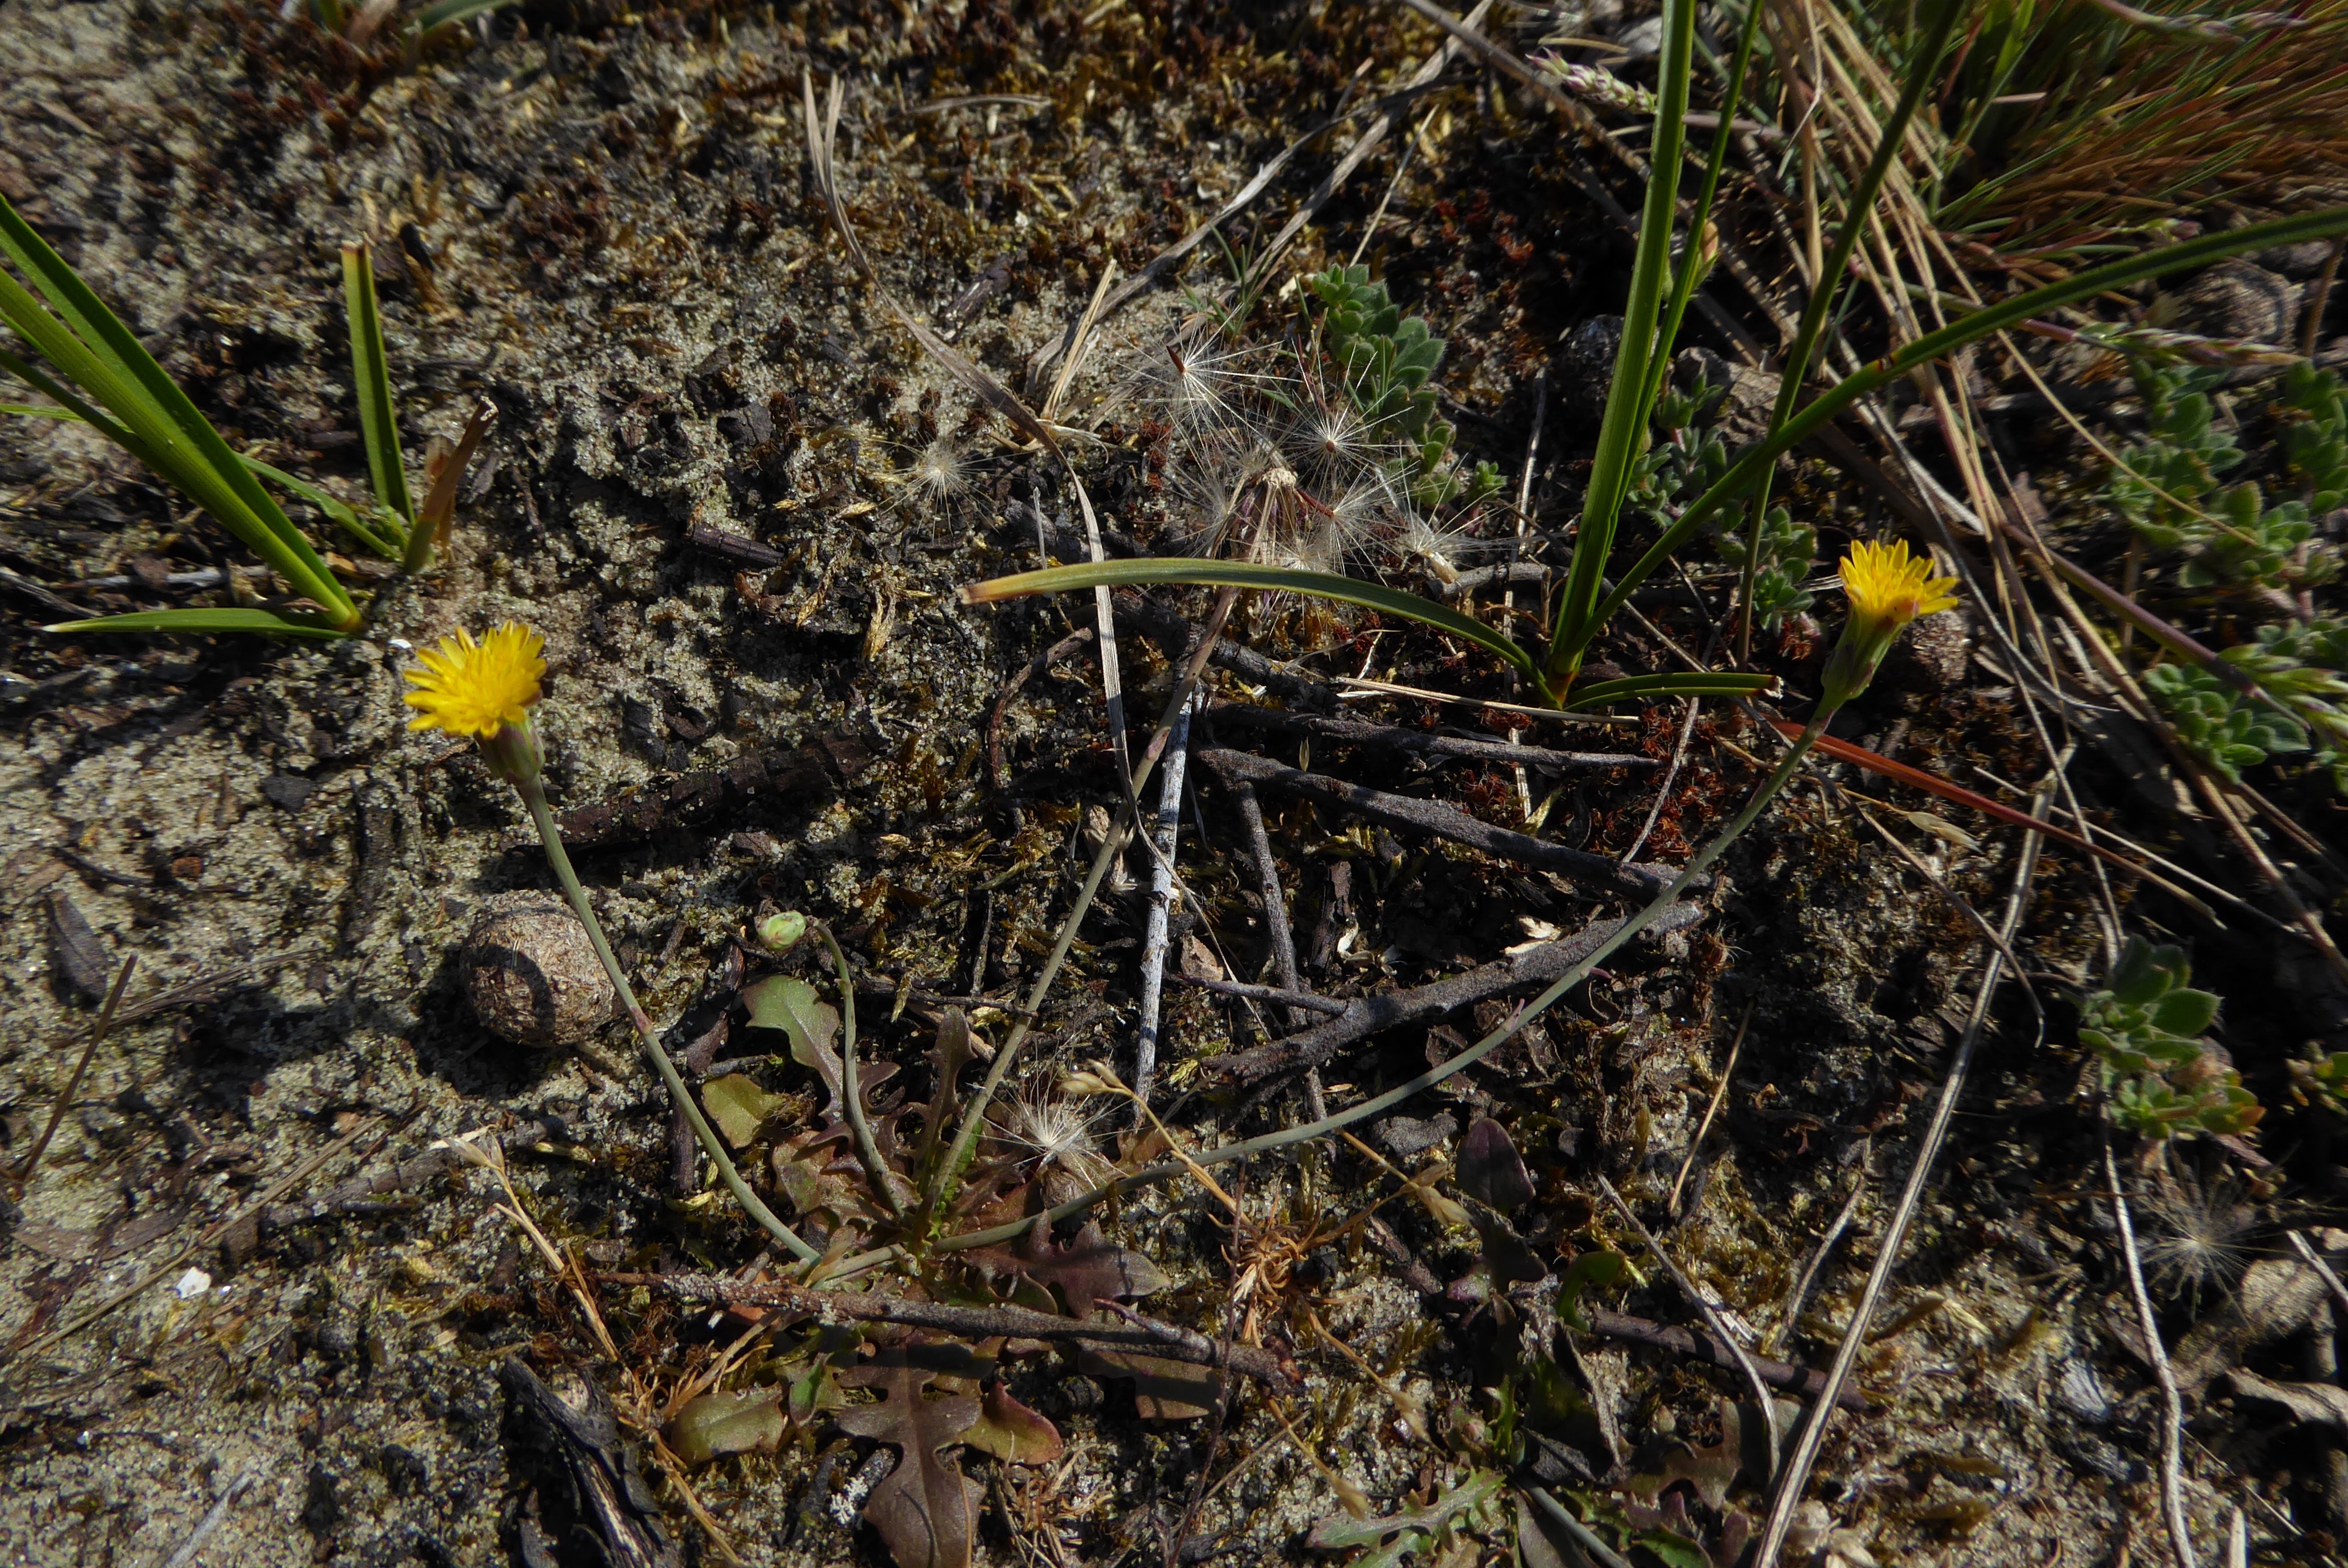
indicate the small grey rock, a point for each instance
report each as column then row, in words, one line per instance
column 1932, row 655
column 2237, row 301
column 532, row 974
column 291, row 790
column 1584, row 365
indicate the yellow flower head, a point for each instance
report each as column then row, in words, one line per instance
column 1889, row 587
column 469, row 688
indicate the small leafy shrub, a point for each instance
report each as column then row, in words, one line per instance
column 2164, row 1079
column 2316, row 445
column 2229, row 536
column 2322, row 1080
column 1686, row 462
column 2226, row 727
column 1386, row 359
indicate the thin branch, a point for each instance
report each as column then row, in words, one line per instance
column 2172, row 1403
column 1802, row 1380
column 23, row 1177
column 1719, row 1093
column 1368, row 1016
column 1435, row 817
column 1175, row 1344
column 1154, row 936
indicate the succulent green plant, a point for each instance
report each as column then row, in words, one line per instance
column 1386, row 359
column 2165, row 1079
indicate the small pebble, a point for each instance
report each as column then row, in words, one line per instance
column 533, row 977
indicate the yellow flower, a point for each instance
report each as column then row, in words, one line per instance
column 1888, row 588
column 1887, row 585
column 469, row 688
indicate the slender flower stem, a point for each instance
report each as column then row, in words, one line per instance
column 534, row 796
column 1378, row 1106
column 867, row 1150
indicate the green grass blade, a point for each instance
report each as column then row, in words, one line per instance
column 72, row 405
column 1626, row 421
column 1723, row 683
column 1757, row 460
column 1683, row 284
column 39, row 411
column 371, row 375
column 206, row 621
column 443, row 12
column 339, row 512
column 158, row 441
column 109, row 364
column 1241, row 574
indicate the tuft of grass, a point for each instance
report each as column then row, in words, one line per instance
column 96, row 372
column 94, row 369
column 2081, row 131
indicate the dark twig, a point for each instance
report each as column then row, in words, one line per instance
column 734, row 546
column 1366, row 1015
column 1801, row 1380
column 23, row 1175
column 1328, row 1007
column 1416, row 743
column 1443, row 820
column 974, row 1322
column 1276, row 926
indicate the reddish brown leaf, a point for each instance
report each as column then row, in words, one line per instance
column 1086, row 1269
column 1163, row 1390
column 926, row 1508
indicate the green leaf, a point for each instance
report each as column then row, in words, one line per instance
column 1010, row 1431
column 715, row 1424
column 1244, row 574
column 371, row 376
column 738, row 1106
column 2186, row 1013
column 1725, row 683
column 1591, row 1270
column 274, row 622
column 336, row 510
column 790, row 1004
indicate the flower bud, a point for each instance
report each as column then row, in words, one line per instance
column 779, row 933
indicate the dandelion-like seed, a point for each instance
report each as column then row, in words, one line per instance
column 1888, row 588
column 1058, row 1130
column 477, row 689
column 1331, row 444
column 2199, row 1237
column 1427, row 545
column 938, row 473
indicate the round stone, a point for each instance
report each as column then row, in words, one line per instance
column 532, row 974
